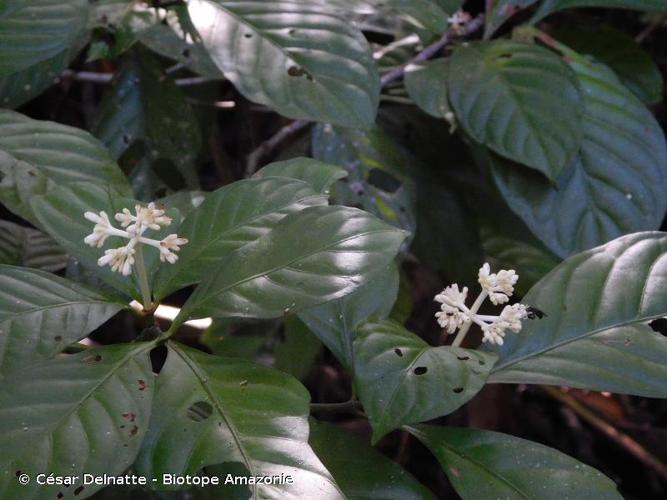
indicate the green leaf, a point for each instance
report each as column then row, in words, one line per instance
column 335, row 322
column 339, row 250
column 301, row 59
column 378, row 179
column 163, row 40
column 228, row 410
column 37, row 155
column 360, row 471
column 321, row 176
column 520, row 100
column 41, row 314
column 37, row 31
column 620, row 52
column 24, row 246
column 297, row 353
column 614, row 186
column 489, row 465
column 501, row 11
column 426, row 84
column 429, row 15
column 531, row 262
column 81, row 413
column 403, row 380
column 147, row 106
column 229, row 219
column 596, row 335
column 550, row 6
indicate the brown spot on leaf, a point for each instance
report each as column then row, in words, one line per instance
column 129, row 416
column 134, row 430
column 420, row 370
column 92, row 359
column 398, row 352
column 78, row 490
column 142, row 384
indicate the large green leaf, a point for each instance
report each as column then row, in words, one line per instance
column 40, row 314
column 145, row 105
column 229, row 410
column 298, row 350
column 360, row 471
column 426, row 84
column 318, row 174
column 38, row 30
column 335, row 322
column 402, row 380
column 596, row 334
column 615, row 185
column 520, row 100
column 299, row 57
column 339, row 249
column 618, row 50
column 550, row 6
column 229, row 219
column 24, row 246
column 36, row 155
column 429, row 15
column 81, row 413
column 488, row 465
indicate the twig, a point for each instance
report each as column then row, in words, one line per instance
column 106, row 78
column 622, row 439
column 344, row 407
column 267, row 147
column 651, row 28
column 433, row 49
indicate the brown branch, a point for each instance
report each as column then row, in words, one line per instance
column 267, row 147
column 622, row 439
column 651, row 28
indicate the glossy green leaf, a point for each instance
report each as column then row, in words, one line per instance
column 550, row 6
column 146, row 105
column 426, row 84
column 84, row 413
column 24, row 246
column 300, row 58
column 377, row 180
column 634, row 66
column 321, row 176
column 531, row 262
column 229, row 219
column 402, row 380
column 335, row 322
column 37, row 31
column 41, row 314
column 500, row 11
column 37, row 155
column 615, row 185
column 428, row 15
column 596, row 334
column 228, row 410
column 488, row 465
column 520, row 100
column 339, row 250
column 360, row 471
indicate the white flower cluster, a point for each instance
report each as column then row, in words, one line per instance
column 122, row 259
column 454, row 314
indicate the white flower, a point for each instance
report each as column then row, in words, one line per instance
column 459, row 20
column 454, row 314
column 122, row 259
column 500, row 287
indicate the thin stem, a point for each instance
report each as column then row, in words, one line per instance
column 460, row 337
column 344, row 407
column 142, row 276
column 632, row 446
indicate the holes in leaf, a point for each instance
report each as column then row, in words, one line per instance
column 186, row 53
column 482, row 362
column 504, row 56
column 463, row 358
column 297, row 71
column 93, row 359
column 134, row 430
column 130, row 417
column 199, row 411
column 420, row 370
column 457, row 390
column 248, row 35
column 60, row 495
column 142, row 384
column 58, row 338
column 659, row 325
column 398, row 352
column 18, row 473
column 79, row 490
